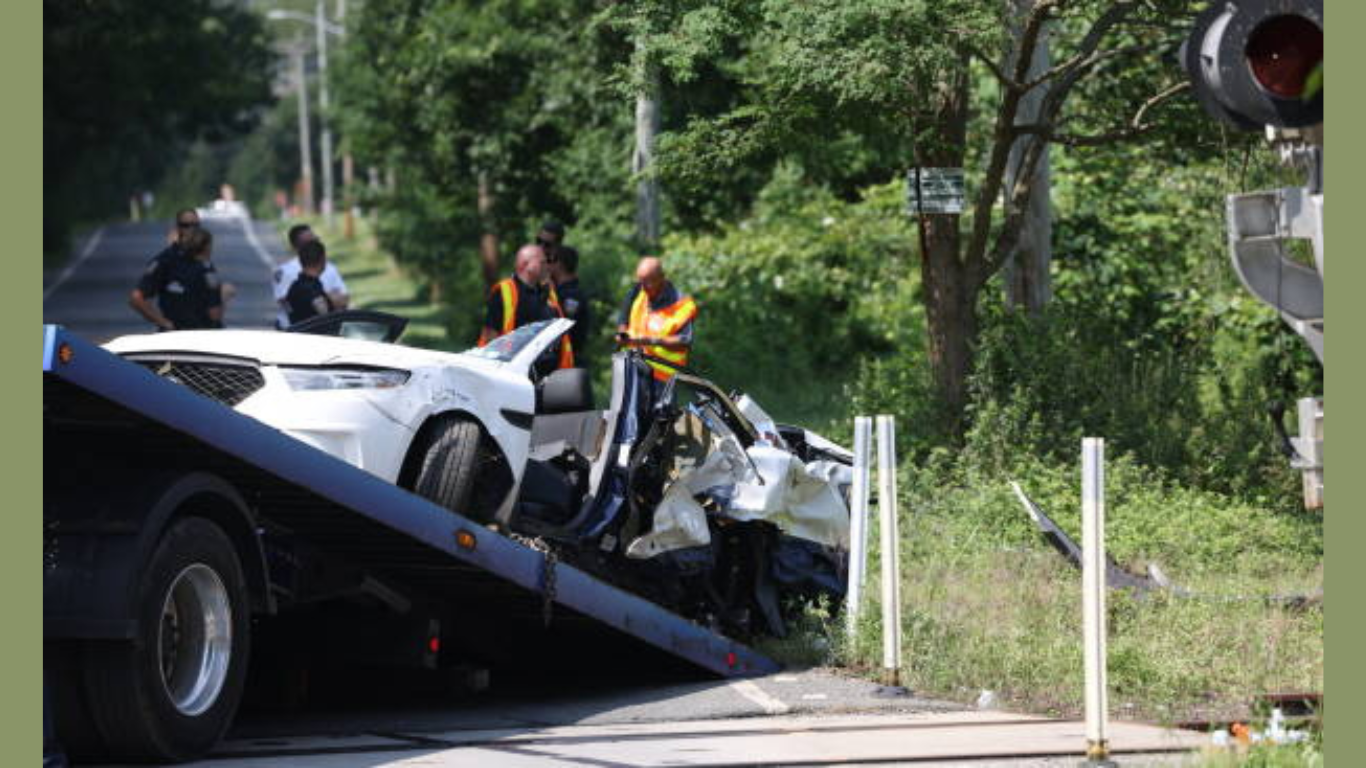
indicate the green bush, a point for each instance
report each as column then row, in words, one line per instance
column 792, row 296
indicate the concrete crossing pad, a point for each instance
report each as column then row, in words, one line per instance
column 931, row 737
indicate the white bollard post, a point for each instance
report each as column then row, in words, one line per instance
column 858, row 521
column 891, row 566
column 1093, row 597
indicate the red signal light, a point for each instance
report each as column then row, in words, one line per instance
column 1282, row 52
column 434, row 644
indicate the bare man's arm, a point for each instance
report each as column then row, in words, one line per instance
column 148, row 310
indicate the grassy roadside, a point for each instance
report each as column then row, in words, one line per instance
column 988, row 606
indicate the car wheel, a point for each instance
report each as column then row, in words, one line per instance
column 450, row 465
column 171, row 693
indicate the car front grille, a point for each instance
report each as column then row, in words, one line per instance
column 228, row 383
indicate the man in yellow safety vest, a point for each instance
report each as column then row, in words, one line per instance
column 658, row 319
column 526, row 297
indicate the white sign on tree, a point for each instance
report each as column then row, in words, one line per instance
column 934, row 190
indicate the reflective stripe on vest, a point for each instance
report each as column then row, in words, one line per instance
column 508, row 289
column 662, row 322
column 566, row 348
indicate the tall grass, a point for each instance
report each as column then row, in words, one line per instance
column 988, row 605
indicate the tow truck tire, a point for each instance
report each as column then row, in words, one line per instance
column 450, row 464
column 171, row 693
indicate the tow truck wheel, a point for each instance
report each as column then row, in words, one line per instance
column 171, row 693
column 448, row 468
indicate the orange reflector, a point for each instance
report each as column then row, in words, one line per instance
column 730, row 659
column 465, row 539
column 65, row 352
column 434, row 645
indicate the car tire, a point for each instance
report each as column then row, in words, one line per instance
column 170, row 694
column 450, row 464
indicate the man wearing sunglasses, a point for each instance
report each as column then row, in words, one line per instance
column 183, row 280
column 550, row 238
column 564, row 273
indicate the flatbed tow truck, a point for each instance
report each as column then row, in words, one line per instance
column 175, row 528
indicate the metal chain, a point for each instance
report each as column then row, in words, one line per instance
column 547, row 572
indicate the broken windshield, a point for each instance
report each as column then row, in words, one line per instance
column 506, row 347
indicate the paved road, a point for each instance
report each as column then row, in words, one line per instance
column 90, row 294
column 794, row 718
column 809, row 717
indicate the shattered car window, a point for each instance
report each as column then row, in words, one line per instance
column 506, row 347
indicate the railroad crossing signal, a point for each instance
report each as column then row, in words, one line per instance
column 1257, row 63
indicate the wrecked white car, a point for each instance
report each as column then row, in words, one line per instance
column 685, row 494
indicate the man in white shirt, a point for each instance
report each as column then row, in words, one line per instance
column 287, row 272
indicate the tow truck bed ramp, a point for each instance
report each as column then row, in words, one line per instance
column 90, row 395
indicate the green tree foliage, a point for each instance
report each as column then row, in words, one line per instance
column 894, row 80
column 797, row 289
column 778, row 118
column 449, row 93
column 127, row 83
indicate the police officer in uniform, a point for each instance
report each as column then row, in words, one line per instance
column 183, row 280
column 564, row 271
column 307, row 298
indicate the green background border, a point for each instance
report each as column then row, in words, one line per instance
column 21, row 208
column 1345, row 670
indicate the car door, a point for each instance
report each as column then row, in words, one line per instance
column 528, row 343
column 364, row 324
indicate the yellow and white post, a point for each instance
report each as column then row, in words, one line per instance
column 858, row 521
column 1093, row 597
column 891, row 556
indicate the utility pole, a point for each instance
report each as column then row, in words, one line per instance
column 348, row 165
column 323, row 118
column 647, row 188
column 305, row 146
column 1027, row 280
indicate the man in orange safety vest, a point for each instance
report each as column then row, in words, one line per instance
column 657, row 319
column 526, row 297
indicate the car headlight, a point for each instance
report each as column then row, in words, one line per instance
column 343, row 378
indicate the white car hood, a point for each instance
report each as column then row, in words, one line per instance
column 277, row 348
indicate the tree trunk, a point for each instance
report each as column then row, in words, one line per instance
column 950, row 294
column 488, row 241
column 1027, row 280
column 647, row 189
column 950, row 312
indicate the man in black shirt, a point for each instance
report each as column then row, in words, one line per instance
column 307, row 297
column 564, row 270
column 183, row 280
